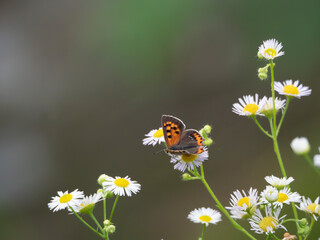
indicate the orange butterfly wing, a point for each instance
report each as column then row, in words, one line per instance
column 172, row 129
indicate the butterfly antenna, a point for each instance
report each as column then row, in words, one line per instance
column 159, row 151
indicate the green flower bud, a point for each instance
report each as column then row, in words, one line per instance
column 303, row 227
column 100, row 190
column 259, row 55
column 106, row 222
column 208, row 142
column 262, row 76
column 186, row 177
column 110, row 229
column 108, row 194
column 207, row 129
column 102, row 178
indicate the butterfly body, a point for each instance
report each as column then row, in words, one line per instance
column 179, row 140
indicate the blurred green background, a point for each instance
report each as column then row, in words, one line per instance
column 83, row 81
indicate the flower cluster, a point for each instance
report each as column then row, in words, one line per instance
column 272, row 199
column 253, row 105
column 77, row 203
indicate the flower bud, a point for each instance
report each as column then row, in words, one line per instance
column 263, row 76
column 300, row 146
column 186, row 177
column 207, row 142
column 316, row 160
column 110, row 229
column 260, row 56
column 207, row 129
column 108, row 194
column 303, row 227
column 102, row 178
column 271, row 194
column 106, row 222
column 288, row 236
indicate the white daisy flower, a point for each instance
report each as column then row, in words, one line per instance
column 300, row 145
column 269, row 195
column 204, row 216
column 153, row 137
column 65, row 199
column 267, row 224
column 243, row 205
column 279, row 183
column 286, row 196
column 316, row 159
column 184, row 161
column 270, row 49
column 267, row 109
column 290, row 88
column 86, row 205
column 121, row 186
column 249, row 105
column 313, row 208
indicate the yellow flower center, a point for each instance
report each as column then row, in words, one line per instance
column 271, row 52
column 251, row 108
column 158, row 134
column 205, row 218
column 188, row 157
column 312, row 208
column 245, row 200
column 267, row 222
column 290, row 89
column 65, row 198
column 282, row 197
column 121, row 182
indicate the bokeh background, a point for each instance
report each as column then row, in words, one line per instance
column 83, row 81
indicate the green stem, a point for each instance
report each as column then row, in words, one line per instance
column 268, row 237
column 283, row 114
column 274, row 135
column 96, row 221
column 202, row 171
column 203, row 230
column 260, row 127
column 306, row 157
column 311, row 225
column 277, row 152
column 274, row 236
column 104, row 208
column 85, row 223
column 273, row 97
column 219, row 205
column 113, row 208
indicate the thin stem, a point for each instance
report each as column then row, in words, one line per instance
column 104, row 208
column 96, row 221
column 274, row 236
column 273, row 97
column 113, row 208
column 311, row 225
column 219, row 205
column 275, row 134
column 283, row 114
column 85, row 223
column 203, row 230
column 202, row 171
column 268, row 237
column 260, row 127
column 306, row 157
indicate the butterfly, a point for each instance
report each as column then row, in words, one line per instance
column 180, row 140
